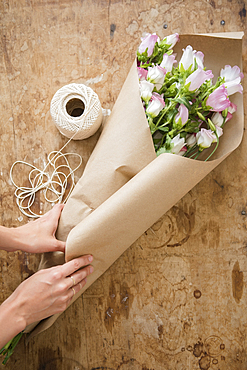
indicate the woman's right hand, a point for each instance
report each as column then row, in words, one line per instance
column 50, row 291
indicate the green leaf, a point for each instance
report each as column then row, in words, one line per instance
column 162, row 150
column 163, row 129
column 184, row 101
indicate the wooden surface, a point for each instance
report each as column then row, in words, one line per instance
column 177, row 298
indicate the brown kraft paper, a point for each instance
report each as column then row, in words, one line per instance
column 125, row 188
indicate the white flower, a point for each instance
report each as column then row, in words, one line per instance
column 234, row 86
column 177, row 144
column 204, row 138
column 231, row 73
column 217, row 119
column 190, row 140
column 190, row 56
column 146, row 89
column 167, row 62
column 199, row 57
column 232, row 76
column 219, row 132
column 233, row 108
column 155, row 105
column 156, row 75
column 172, row 40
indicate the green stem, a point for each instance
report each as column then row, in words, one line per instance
column 171, row 105
column 190, row 150
column 216, row 146
column 196, row 154
column 8, row 349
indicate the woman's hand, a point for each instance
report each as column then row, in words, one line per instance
column 45, row 293
column 36, row 236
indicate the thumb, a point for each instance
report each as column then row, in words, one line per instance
column 55, row 212
column 59, row 246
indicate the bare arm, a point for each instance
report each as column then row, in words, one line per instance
column 43, row 294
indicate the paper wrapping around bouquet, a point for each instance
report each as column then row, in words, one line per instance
column 125, row 188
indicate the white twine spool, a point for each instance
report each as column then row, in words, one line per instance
column 76, row 111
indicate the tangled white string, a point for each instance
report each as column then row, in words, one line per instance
column 53, row 180
column 77, row 113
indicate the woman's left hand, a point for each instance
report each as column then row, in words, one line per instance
column 36, row 236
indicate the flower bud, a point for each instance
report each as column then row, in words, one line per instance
column 211, row 125
column 201, row 116
column 224, row 113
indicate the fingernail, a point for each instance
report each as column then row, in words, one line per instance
column 85, row 281
column 90, row 258
column 91, row 269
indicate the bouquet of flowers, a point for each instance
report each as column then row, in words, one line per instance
column 133, row 177
column 185, row 110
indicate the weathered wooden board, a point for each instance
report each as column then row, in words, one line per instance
column 177, row 298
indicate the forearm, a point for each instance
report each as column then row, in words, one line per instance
column 10, row 322
column 10, row 241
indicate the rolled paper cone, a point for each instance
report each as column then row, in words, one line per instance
column 125, row 188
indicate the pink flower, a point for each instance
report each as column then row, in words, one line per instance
column 142, row 73
column 156, row 104
column 183, row 114
column 218, row 100
column 197, row 78
column 148, row 42
column 167, row 62
column 172, row 40
column 232, row 76
column 204, row 138
column 228, row 117
column 232, row 108
column 182, row 151
column 156, row 75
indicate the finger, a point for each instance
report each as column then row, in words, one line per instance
column 55, row 213
column 70, row 267
column 79, row 276
column 75, row 289
column 56, row 210
column 59, row 246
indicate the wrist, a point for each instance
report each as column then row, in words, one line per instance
column 13, row 238
column 11, row 322
column 9, row 239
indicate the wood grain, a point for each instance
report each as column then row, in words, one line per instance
column 177, row 298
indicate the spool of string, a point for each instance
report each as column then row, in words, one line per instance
column 77, row 113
